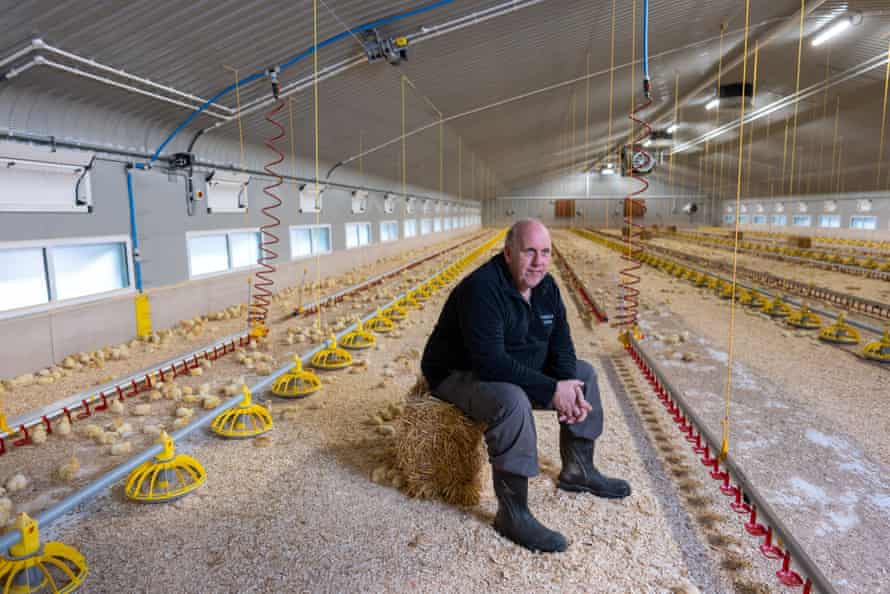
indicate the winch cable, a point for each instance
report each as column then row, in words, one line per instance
column 724, row 445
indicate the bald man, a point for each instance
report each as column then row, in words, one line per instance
column 502, row 347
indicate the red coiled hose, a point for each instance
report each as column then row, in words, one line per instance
column 630, row 302
column 262, row 296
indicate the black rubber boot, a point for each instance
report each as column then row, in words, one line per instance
column 515, row 522
column 579, row 473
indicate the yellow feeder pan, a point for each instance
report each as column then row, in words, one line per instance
column 711, row 283
column 879, row 350
column 245, row 420
column 426, row 291
column 331, row 357
column 358, row 338
column 394, row 312
column 725, row 290
column 777, row 308
column 753, row 299
column 258, row 330
column 297, row 382
column 840, row 332
column 40, row 568
column 167, row 477
column 804, row 318
column 380, row 324
column 408, row 302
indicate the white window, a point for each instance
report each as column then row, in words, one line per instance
column 863, row 222
column 310, row 197
column 410, row 204
column 244, row 249
column 23, row 279
column 759, row 219
column 357, row 234
column 455, row 222
column 437, row 224
column 36, row 178
column 208, row 254
column 729, row 219
column 227, row 192
column 221, row 251
column 426, row 226
column 389, row 230
column 779, row 219
column 800, row 221
column 60, row 272
column 743, row 219
column 359, row 202
column 410, row 227
column 446, row 223
column 389, row 203
column 309, row 240
column 87, row 269
column 832, row 220
column 427, row 206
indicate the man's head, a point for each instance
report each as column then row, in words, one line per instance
column 527, row 251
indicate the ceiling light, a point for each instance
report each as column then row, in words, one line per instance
column 831, row 31
column 609, row 166
column 609, row 171
column 647, row 142
column 672, row 128
column 712, row 103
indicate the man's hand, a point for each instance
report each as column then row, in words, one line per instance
column 569, row 401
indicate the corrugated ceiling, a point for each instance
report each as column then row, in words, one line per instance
column 189, row 45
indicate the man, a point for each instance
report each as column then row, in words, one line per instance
column 502, row 346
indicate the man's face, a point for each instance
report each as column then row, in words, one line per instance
column 529, row 257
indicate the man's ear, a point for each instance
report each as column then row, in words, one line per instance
column 508, row 254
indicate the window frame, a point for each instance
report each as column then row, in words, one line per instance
column 873, row 218
column 355, row 224
column 230, row 270
column 49, row 271
column 312, row 253
column 808, row 217
column 414, row 229
column 774, row 221
column 832, row 218
column 380, row 231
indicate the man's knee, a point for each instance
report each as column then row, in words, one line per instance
column 509, row 399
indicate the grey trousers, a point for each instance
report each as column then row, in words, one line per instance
column 507, row 410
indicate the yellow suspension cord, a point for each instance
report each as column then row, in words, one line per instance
column 241, row 165
column 318, row 322
column 611, row 94
column 796, row 92
column 717, row 119
column 834, row 146
column 785, row 154
column 751, row 131
column 883, row 122
column 676, row 103
column 824, row 115
column 724, row 446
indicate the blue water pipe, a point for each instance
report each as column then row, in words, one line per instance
column 137, row 264
column 305, row 53
column 646, row 47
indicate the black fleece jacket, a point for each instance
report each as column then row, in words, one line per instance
column 487, row 327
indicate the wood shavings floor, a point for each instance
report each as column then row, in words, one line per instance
column 302, row 515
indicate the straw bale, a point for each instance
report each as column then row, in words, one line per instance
column 439, row 451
